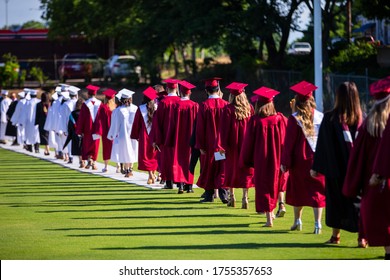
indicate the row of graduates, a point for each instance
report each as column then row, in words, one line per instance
column 319, row 159
column 264, row 149
column 24, row 119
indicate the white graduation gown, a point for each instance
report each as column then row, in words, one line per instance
column 31, row 129
column 124, row 149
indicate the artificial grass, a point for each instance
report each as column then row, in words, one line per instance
column 48, row 212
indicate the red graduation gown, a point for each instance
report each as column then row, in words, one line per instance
column 160, row 124
column 90, row 147
column 207, row 130
column 179, row 135
column 147, row 156
column 231, row 137
column 102, row 126
column 297, row 156
column 262, row 149
column 382, row 160
column 375, row 206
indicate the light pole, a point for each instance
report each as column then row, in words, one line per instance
column 6, row 13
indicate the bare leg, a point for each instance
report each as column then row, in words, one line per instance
column 232, row 199
column 317, row 220
column 245, row 203
column 297, row 218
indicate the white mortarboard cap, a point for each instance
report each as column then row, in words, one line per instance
column 21, row 94
column 64, row 87
column 5, row 92
column 57, row 89
column 125, row 93
column 54, row 96
column 33, row 92
column 65, row 94
column 26, row 90
column 28, row 96
column 73, row 90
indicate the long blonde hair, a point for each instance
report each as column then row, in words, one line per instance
column 377, row 118
column 304, row 109
column 265, row 109
column 242, row 108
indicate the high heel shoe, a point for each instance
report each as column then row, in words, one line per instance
column 362, row 243
column 281, row 210
column 333, row 240
column 317, row 230
column 232, row 201
column 245, row 204
column 297, row 225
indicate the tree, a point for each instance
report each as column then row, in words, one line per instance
column 379, row 9
column 33, row 24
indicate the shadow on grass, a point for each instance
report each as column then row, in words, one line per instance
column 160, row 217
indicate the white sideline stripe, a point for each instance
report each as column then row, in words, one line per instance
column 139, row 178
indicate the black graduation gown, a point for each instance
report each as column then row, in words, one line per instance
column 11, row 130
column 331, row 159
column 72, row 135
column 40, row 119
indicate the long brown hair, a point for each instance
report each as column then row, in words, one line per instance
column 150, row 106
column 304, row 109
column 347, row 105
column 242, row 108
column 377, row 118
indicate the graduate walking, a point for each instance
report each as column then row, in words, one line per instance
column 233, row 124
column 335, row 140
column 147, row 155
column 262, row 149
column 297, row 157
column 207, row 130
column 370, row 154
column 84, row 127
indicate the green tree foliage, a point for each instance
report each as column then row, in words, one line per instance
column 10, row 71
column 33, row 24
column 379, row 9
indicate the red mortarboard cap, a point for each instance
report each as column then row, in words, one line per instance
column 185, row 87
column 236, row 88
column 304, row 89
column 150, row 93
column 110, row 93
column 92, row 89
column 171, row 83
column 212, row 82
column 380, row 89
column 265, row 94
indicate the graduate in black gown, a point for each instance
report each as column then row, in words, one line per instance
column 40, row 119
column 11, row 129
column 76, row 141
column 335, row 139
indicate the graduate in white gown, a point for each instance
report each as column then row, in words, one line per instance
column 31, row 129
column 124, row 149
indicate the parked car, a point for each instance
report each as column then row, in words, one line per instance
column 80, row 65
column 122, row 66
column 364, row 39
column 299, row 48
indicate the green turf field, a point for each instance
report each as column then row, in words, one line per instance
column 48, row 212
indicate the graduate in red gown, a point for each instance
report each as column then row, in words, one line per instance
column 233, row 123
column 371, row 154
column 159, row 133
column 179, row 135
column 88, row 113
column 297, row 157
column 103, row 122
column 335, row 139
column 142, row 125
column 262, row 149
column 207, row 130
